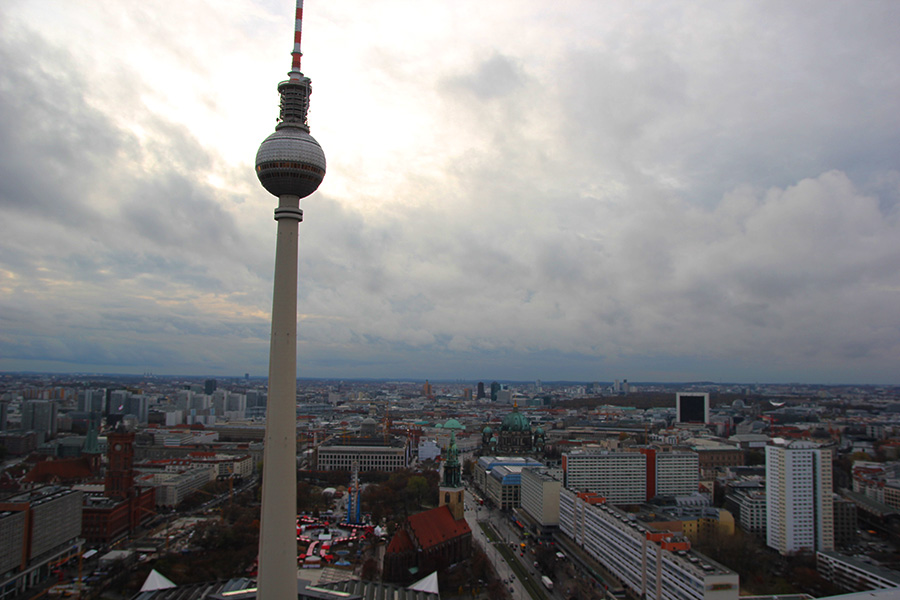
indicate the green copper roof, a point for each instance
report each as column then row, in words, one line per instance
column 515, row 421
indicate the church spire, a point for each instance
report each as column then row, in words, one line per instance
column 452, row 491
column 91, row 447
column 452, row 474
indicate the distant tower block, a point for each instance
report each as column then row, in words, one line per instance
column 290, row 164
column 692, row 407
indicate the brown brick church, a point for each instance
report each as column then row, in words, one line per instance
column 435, row 539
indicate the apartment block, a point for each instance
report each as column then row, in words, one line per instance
column 676, row 474
column 652, row 564
column 620, row 477
column 632, row 477
column 799, row 497
column 37, row 529
column 854, row 575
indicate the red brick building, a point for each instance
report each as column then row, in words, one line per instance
column 429, row 541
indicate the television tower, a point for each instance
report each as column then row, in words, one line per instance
column 290, row 164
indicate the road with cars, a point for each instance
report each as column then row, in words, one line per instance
column 498, row 522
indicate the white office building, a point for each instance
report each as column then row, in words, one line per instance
column 539, row 497
column 799, row 504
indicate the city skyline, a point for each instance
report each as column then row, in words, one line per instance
column 673, row 192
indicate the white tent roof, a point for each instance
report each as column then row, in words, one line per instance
column 156, row 581
column 428, row 584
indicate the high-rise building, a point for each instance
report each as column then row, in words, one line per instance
column 139, row 406
column 480, row 394
column 209, row 386
column 117, row 401
column 504, row 395
column 92, row 401
column 799, row 503
column 692, row 407
column 40, row 416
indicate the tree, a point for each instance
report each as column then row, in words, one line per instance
column 545, row 558
column 309, row 497
column 417, row 488
column 754, row 457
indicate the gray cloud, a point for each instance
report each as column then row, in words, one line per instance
column 708, row 192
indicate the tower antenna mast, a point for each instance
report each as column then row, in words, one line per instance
column 296, row 54
column 290, row 164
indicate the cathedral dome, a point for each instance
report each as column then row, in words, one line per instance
column 453, row 424
column 515, row 421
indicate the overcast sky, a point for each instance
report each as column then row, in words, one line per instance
column 580, row 190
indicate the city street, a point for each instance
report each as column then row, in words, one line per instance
column 475, row 514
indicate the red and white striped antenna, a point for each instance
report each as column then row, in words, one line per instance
column 296, row 54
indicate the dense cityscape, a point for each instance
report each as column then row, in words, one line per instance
column 499, row 489
column 688, row 195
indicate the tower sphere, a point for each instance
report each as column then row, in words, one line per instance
column 290, row 161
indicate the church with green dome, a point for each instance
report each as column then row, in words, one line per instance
column 514, row 436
